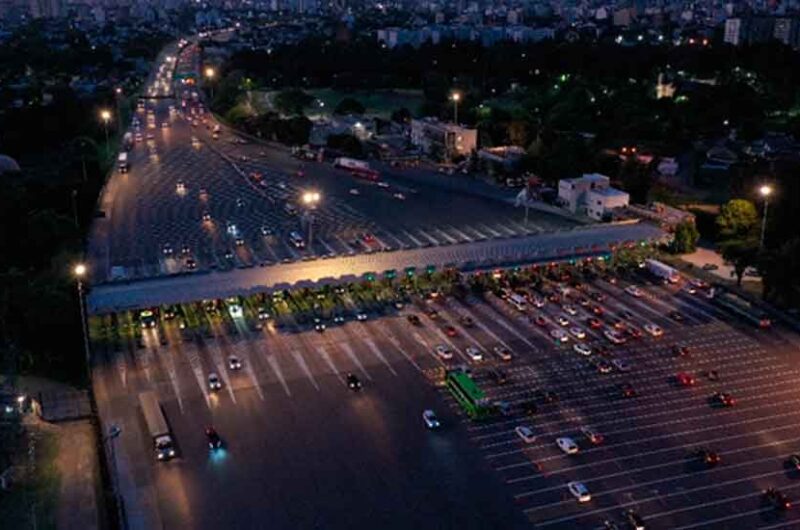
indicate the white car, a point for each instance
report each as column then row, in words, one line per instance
column 562, row 320
column 559, row 335
column 399, row 196
column 354, row 191
column 444, row 352
column 653, row 329
column 579, row 491
column 430, row 419
column 502, row 352
column 474, row 353
column 214, row 382
column 539, row 301
column 633, row 291
column 383, row 184
column 613, row 336
column 582, row 348
column 577, row 332
column 567, row 445
column 570, row 310
column 621, row 365
column 526, row 433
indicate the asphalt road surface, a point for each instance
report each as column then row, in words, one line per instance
column 305, row 452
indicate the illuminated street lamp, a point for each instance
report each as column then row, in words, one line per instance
column 310, row 199
column 456, row 97
column 79, row 271
column 105, row 117
column 118, row 92
column 765, row 191
column 210, row 73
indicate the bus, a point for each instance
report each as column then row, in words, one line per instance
column 157, row 427
column 743, row 308
column 297, row 240
column 469, row 396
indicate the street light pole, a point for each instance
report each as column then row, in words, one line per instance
column 80, row 272
column 456, row 97
column 310, row 199
column 105, row 115
column 118, row 92
column 765, row 191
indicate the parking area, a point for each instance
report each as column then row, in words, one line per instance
column 672, row 406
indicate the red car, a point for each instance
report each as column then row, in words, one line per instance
column 635, row 333
column 680, row 351
column 724, row 399
column 684, row 379
column 451, row 331
column 540, row 321
column 368, row 238
column 597, row 310
column 595, row 323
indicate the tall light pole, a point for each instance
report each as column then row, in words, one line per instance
column 210, row 73
column 456, row 97
column 765, row 191
column 105, row 116
column 79, row 271
column 310, row 200
column 118, row 92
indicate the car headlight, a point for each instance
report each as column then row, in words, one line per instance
column 171, row 452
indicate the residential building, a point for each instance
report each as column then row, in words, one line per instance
column 443, row 140
column 591, row 195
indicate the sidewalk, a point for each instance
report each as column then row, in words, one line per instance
column 78, row 466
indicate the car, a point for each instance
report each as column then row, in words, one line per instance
column 368, row 238
column 547, row 396
column 498, row 376
column 710, row 267
column 538, row 301
column 597, row 296
column 634, row 333
column 582, row 349
column 474, row 353
column 680, row 351
column 503, row 408
column 577, row 332
column 361, row 316
column 625, row 314
column 353, row 383
column 608, row 524
column 594, row 437
column 502, row 352
column 597, row 310
column 214, row 382
column 214, row 440
column 399, row 196
column 794, row 461
column 684, row 379
column 614, row 336
column 559, row 335
column 562, row 320
column 621, row 365
column 338, row 318
column 529, row 407
column 263, row 313
column 603, row 366
column 618, row 324
column 234, row 363
column 677, row 316
column 382, row 184
column 443, row 352
column 567, row 445
column 626, row 390
column 594, row 323
column 723, row 399
column 690, row 289
column 180, row 187
column 319, row 325
column 354, row 191
column 633, row 519
column 430, row 419
column 707, row 457
column 570, row 310
column 206, row 217
column 584, row 302
column 539, row 320
column 579, row 491
column 466, row 321
column 432, row 313
column 450, row 331
column 633, row 291
column 239, row 242
column 414, row 320
column 191, row 264
column 653, row 329
column 167, row 249
column 777, row 498
column 712, row 375
column 525, row 433
column 266, row 231
column 228, row 254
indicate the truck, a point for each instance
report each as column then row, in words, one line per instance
column 157, row 426
column 122, row 162
column 662, row 270
column 127, row 141
column 358, row 168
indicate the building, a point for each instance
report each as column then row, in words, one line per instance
column 591, row 195
column 443, row 140
column 734, row 31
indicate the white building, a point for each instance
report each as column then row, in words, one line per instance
column 445, row 140
column 734, row 31
column 591, row 195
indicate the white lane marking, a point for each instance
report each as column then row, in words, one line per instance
column 166, row 356
column 459, row 233
column 396, row 344
column 428, row 236
column 243, row 354
column 413, row 239
column 379, row 354
column 350, row 353
column 494, row 233
column 302, row 362
column 193, row 356
column 219, row 361
column 325, row 244
column 326, row 356
column 447, row 236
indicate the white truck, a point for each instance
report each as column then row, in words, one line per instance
column 122, row 162
column 358, row 168
column 662, row 270
column 157, row 426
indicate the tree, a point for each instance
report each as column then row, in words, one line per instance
column 346, row 143
column 349, row 106
column 686, row 236
column 737, row 220
column 401, row 115
column 292, row 101
column 741, row 253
